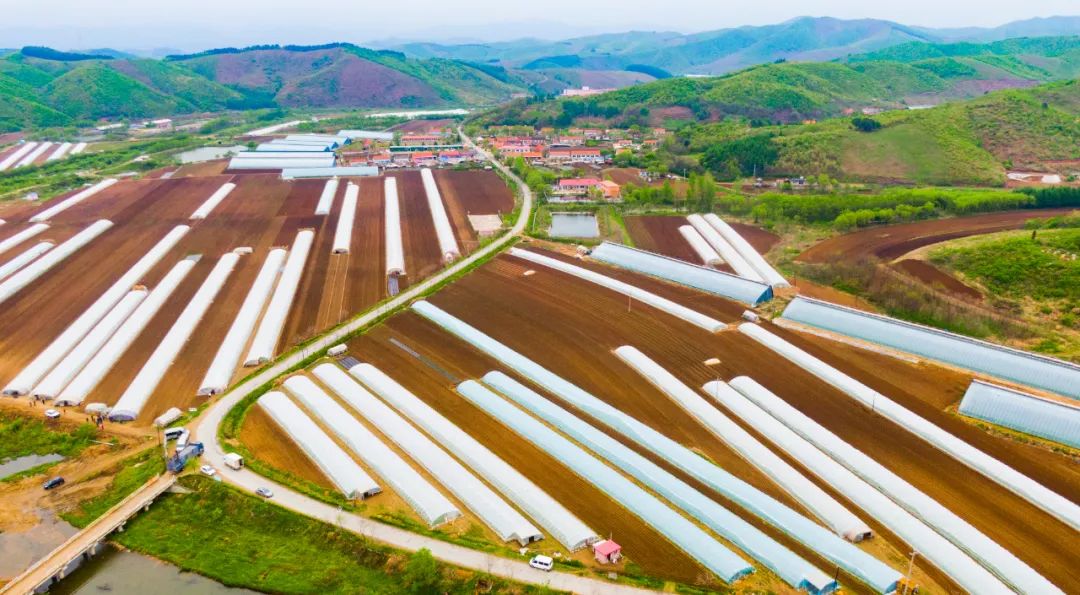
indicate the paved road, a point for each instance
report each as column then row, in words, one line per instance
column 206, row 430
column 58, row 559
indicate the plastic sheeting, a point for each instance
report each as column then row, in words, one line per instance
column 789, row 566
column 711, row 280
column 17, row 156
column 842, row 553
column 334, row 462
column 813, row 498
column 24, row 258
column 1023, row 412
column 660, row 303
column 346, row 219
column 273, row 321
column 227, row 358
column 78, row 148
column 424, row 498
column 757, row 261
column 22, row 236
column 215, row 199
column 728, row 252
column 488, row 506
column 1011, row 364
column 395, row 252
column 282, row 147
column 705, row 252
column 47, row 359
column 103, row 361
column 53, row 383
column 326, row 199
column 1022, row 485
column 295, row 162
column 39, row 267
column 60, row 152
column 72, row 200
column 943, row 538
column 33, row 155
column 144, row 384
column 566, row 528
column 443, row 231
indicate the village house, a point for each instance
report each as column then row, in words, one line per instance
column 417, row 140
column 560, row 156
column 586, row 187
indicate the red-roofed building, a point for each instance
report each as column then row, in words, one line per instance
column 413, row 140
column 607, row 552
column 584, row 187
column 422, row 158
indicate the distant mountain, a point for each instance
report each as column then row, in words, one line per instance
column 1037, row 27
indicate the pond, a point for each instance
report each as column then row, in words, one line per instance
column 209, row 153
column 574, row 225
column 121, row 571
column 20, row 464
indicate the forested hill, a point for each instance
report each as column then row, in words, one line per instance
column 40, row 87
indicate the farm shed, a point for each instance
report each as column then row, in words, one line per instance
column 1023, row 412
column 995, row 360
column 488, row 506
column 800, row 528
column 326, row 199
column 685, row 535
column 566, row 528
column 728, row 252
column 424, row 498
column 395, row 251
column 24, row 258
column 53, row 257
column 72, row 200
column 443, row 231
column 946, row 540
column 660, row 303
column 757, row 261
column 47, row 359
column 992, row 468
column 789, row 566
column 228, row 355
column 706, row 279
column 334, row 462
column 22, row 236
column 607, row 552
column 804, row 491
column 273, row 321
column 344, row 231
column 328, row 171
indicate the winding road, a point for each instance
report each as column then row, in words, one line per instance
column 206, row 427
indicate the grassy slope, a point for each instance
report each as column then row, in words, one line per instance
column 20, row 436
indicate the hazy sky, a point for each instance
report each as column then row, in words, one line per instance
column 196, row 24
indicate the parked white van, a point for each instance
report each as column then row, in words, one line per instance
column 544, row 563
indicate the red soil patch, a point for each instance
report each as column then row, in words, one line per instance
column 478, row 192
column 422, row 126
column 937, row 278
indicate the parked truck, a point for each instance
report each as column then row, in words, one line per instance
column 177, row 463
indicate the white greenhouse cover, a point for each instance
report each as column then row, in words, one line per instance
column 756, row 260
column 352, row 171
column 943, row 538
column 488, row 506
column 72, row 200
column 144, row 384
column 24, row 258
column 273, row 321
column 728, row 252
column 22, row 236
column 395, row 252
column 47, row 359
column 170, row 415
column 60, row 151
column 282, row 155
column 274, row 128
column 19, row 153
column 424, row 498
column 708, row 255
column 806, row 492
column 78, row 148
column 678, row 530
column 334, row 462
column 50, row 259
column 215, row 199
column 660, row 303
column 367, row 135
column 103, row 361
column 684, row 273
column 1022, row 485
column 788, row 565
column 226, row 360
column 805, row 531
column 443, row 231
column 55, row 381
column 33, row 155
column 346, row 218
column 326, row 199
column 284, row 147
column 335, row 139
column 566, row 528
column 1023, row 412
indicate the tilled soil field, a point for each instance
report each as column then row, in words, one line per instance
column 935, row 277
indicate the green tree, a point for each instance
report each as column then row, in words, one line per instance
column 423, row 575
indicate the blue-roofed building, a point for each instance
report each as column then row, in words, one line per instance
column 1023, row 412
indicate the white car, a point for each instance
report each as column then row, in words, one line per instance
column 208, row 470
column 264, row 492
column 52, row 413
column 544, row 563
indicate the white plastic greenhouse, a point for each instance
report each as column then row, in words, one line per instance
column 395, row 252
column 660, row 303
column 346, row 219
column 51, row 356
column 334, row 462
column 443, row 231
column 142, row 387
column 326, row 199
column 708, row 255
column 1025, row 487
column 17, row 156
column 227, row 358
column 424, row 498
column 24, row 258
column 50, row 259
column 21, row 236
column 72, row 200
column 78, row 148
column 566, row 528
column 943, row 538
column 1023, row 412
column 273, row 321
column 215, row 199
column 33, row 155
column 488, row 506
column 711, row 280
column 728, row 252
column 60, row 152
column 813, row 498
column 749, row 254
